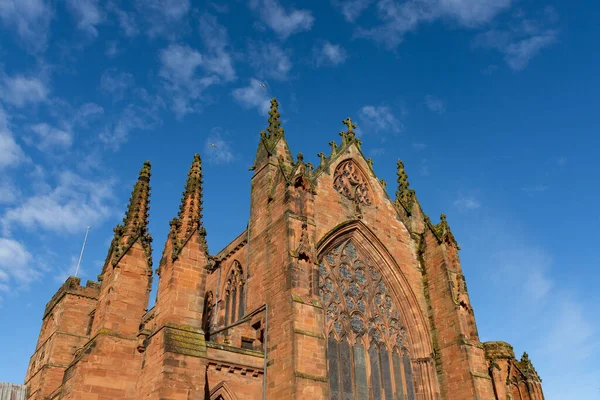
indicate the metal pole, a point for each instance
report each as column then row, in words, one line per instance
column 82, row 247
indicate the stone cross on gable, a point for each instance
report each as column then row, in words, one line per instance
column 351, row 126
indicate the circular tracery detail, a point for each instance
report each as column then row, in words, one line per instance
column 351, row 182
column 356, row 299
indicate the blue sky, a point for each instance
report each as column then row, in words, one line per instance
column 491, row 104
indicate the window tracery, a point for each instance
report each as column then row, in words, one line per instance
column 364, row 329
column 351, row 182
column 234, row 294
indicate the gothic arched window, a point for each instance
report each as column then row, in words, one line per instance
column 366, row 347
column 234, row 294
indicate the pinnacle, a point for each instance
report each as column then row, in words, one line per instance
column 136, row 216
column 190, row 211
column 274, row 129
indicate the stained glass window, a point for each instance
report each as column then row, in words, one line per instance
column 362, row 324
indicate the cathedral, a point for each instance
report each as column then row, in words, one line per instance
column 334, row 290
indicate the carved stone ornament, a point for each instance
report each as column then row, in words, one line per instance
column 351, row 182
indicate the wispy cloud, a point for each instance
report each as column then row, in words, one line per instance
column 351, row 9
column 396, row 18
column 116, row 82
column 187, row 73
column 435, row 104
column 49, row 138
column 21, row 90
column 326, row 53
column 179, row 65
column 419, row 146
column 11, row 154
column 214, row 36
column 379, row 118
column 284, row 22
column 269, row 60
column 16, row 265
column 138, row 116
column 88, row 15
column 532, row 190
column 216, row 149
column 523, row 39
column 465, row 203
column 74, row 202
column 30, row 19
column 253, row 96
column 163, row 17
column 8, row 191
column 127, row 20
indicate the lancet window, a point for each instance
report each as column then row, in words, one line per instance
column 367, row 351
column 234, row 294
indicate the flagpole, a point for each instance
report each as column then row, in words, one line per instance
column 81, row 254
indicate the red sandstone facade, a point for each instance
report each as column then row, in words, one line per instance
column 334, row 291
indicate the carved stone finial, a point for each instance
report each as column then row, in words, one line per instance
column 370, row 162
column 333, row 145
column 300, row 157
column 383, row 183
column 351, row 126
column 444, row 232
column 322, row 157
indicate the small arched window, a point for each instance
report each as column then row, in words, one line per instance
column 234, row 294
column 207, row 314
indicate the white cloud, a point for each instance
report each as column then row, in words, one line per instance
column 88, row 15
column 31, row 20
column 11, row 154
column 126, row 19
column 216, row 149
column 419, row 146
column 9, row 193
column 179, row 65
column 352, row 8
column 214, row 36
column 399, row 17
column 284, row 23
column 187, row 73
column 163, row 17
column 269, row 60
column 112, row 48
column 50, row 138
column 73, row 203
column 523, row 40
column 134, row 117
column 379, row 118
column 435, row 104
column 116, row 83
column 253, row 96
column 327, row 53
column 16, row 263
column 20, row 90
column 465, row 203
